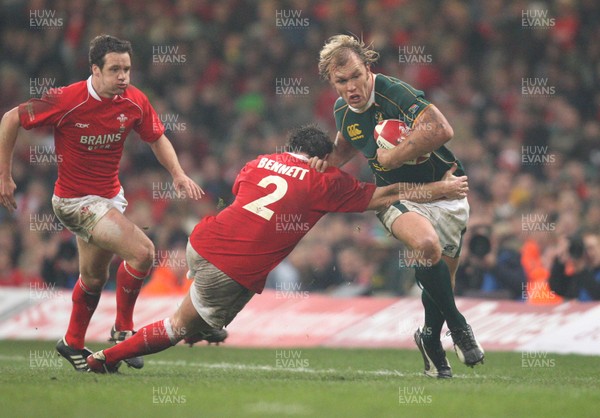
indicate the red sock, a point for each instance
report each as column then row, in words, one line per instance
column 84, row 305
column 129, row 283
column 149, row 339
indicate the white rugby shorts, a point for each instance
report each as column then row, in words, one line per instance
column 81, row 214
column 448, row 217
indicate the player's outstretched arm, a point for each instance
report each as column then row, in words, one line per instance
column 384, row 197
column 430, row 131
column 9, row 127
column 449, row 187
column 342, row 153
column 165, row 153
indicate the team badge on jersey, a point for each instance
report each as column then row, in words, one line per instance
column 122, row 119
column 354, row 132
column 413, row 109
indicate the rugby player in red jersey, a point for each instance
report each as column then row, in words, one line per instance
column 229, row 255
column 91, row 120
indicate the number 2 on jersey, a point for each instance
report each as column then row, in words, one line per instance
column 259, row 206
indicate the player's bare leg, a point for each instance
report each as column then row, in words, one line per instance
column 117, row 234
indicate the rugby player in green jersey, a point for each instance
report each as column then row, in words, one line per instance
column 432, row 231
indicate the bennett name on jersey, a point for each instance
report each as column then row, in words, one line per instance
column 280, row 168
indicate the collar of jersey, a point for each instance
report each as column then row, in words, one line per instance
column 93, row 92
column 298, row 156
column 369, row 103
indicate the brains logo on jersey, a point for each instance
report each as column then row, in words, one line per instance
column 390, row 132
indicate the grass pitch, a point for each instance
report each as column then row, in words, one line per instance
column 210, row 381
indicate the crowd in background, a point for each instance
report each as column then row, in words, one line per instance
column 519, row 82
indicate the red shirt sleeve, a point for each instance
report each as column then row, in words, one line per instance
column 41, row 112
column 236, row 183
column 150, row 128
column 343, row 193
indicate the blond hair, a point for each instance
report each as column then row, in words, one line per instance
column 336, row 53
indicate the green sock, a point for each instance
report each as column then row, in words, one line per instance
column 436, row 281
column 434, row 319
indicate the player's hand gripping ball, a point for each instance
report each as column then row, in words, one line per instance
column 390, row 132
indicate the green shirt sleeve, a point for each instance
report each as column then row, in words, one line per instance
column 338, row 112
column 400, row 100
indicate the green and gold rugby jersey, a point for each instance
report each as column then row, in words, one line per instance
column 392, row 99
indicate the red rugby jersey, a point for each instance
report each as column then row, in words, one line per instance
column 89, row 134
column 279, row 198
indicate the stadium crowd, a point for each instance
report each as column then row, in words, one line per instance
column 519, row 81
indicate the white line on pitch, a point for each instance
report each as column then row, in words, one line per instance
column 255, row 367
